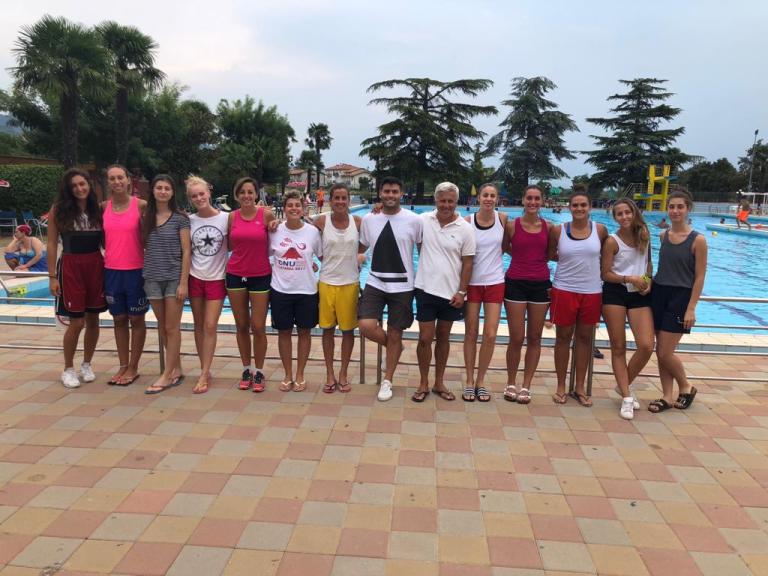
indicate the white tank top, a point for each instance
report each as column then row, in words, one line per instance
column 578, row 263
column 487, row 267
column 339, row 265
column 629, row 261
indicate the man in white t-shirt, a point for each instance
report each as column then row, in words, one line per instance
column 391, row 235
column 445, row 267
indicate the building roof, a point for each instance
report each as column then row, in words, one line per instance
column 344, row 168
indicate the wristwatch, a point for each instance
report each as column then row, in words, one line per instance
column 462, row 292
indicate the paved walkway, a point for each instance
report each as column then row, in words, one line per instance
column 106, row 480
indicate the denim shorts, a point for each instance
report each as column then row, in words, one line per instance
column 158, row 289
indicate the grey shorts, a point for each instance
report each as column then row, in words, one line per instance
column 399, row 307
column 158, row 289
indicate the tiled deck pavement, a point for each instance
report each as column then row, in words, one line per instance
column 106, row 480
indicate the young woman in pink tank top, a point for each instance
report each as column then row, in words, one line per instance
column 123, row 263
column 248, row 279
column 526, row 292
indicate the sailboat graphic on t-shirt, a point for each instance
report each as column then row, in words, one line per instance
column 386, row 263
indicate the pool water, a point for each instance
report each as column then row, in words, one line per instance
column 737, row 266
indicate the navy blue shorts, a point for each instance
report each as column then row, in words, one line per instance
column 669, row 304
column 289, row 310
column 124, row 291
column 430, row 308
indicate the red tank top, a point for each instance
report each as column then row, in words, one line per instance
column 529, row 253
column 249, row 243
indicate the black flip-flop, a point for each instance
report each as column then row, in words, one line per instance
column 661, row 405
column 444, row 394
column 131, row 380
column 419, row 396
column 172, row 384
column 468, row 395
column 684, row 401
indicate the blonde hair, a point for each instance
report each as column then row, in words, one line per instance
column 193, row 180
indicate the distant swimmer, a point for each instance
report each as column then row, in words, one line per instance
column 663, row 223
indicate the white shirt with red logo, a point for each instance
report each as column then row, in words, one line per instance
column 293, row 252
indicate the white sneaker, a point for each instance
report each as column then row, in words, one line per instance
column 69, row 378
column 86, row 372
column 385, row 391
column 634, row 398
column 627, row 408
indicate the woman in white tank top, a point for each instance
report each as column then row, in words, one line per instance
column 576, row 292
column 626, row 272
column 486, row 288
column 339, row 284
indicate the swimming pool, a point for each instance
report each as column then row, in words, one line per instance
column 737, row 266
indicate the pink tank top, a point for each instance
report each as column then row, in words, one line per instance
column 529, row 253
column 122, row 238
column 249, row 243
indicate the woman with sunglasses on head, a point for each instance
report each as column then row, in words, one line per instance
column 576, row 292
column 165, row 234
column 626, row 272
column 676, row 291
column 78, row 283
column 527, row 292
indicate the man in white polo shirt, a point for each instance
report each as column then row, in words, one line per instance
column 445, row 267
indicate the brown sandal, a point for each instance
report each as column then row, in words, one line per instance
column 558, row 398
column 582, row 399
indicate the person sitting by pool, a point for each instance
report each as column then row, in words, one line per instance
column 25, row 252
column 741, row 217
column 722, row 220
column 663, row 224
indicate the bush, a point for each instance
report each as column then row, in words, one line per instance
column 32, row 187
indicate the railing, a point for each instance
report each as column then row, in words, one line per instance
column 412, row 336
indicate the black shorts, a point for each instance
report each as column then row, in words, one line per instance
column 618, row 295
column 254, row 284
column 430, row 308
column 399, row 307
column 289, row 310
column 527, row 291
column 669, row 304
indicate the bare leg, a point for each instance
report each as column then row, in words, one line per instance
column 211, row 321
column 329, row 335
column 490, row 328
column 138, row 337
column 71, row 336
column 641, row 323
column 302, row 352
column 91, row 335
column 582, row 354
column 424, row 353
column 537, row 313
column 285, row 347
column 238, row 299
column 158, row 307
column 442, row 348
column 394, row 350
column 471, row 329
column 372, row 330
column 670, row 367
column 516, row 326
column 198, row 314
column 123, row 343
column 347, row 345
column 259, row 305
column 563, row 337
column 173, row 310
column 614, row 317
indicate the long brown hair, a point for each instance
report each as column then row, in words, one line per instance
column 640, row 234
column 66, row 208
column 149, row 220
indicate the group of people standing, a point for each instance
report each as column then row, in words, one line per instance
column 127, row 253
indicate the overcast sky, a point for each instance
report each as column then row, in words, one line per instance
column 315, row 59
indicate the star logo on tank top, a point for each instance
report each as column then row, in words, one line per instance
column 207, row 240
column 386, row 263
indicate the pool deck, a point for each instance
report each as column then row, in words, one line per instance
column 107, row 480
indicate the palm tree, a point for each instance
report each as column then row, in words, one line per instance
column 133, row 56
column 319, row 139
column 62, row 60
column 307, row 161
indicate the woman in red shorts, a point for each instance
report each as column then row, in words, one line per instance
column 79, row 283
column 526, row 292
column 576, row 291
column 486, row 288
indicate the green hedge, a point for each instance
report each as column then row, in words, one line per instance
column 32, row 187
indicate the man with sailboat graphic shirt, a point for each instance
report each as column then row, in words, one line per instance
column 391, row 235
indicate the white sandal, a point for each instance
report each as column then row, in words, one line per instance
column 510, row 393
